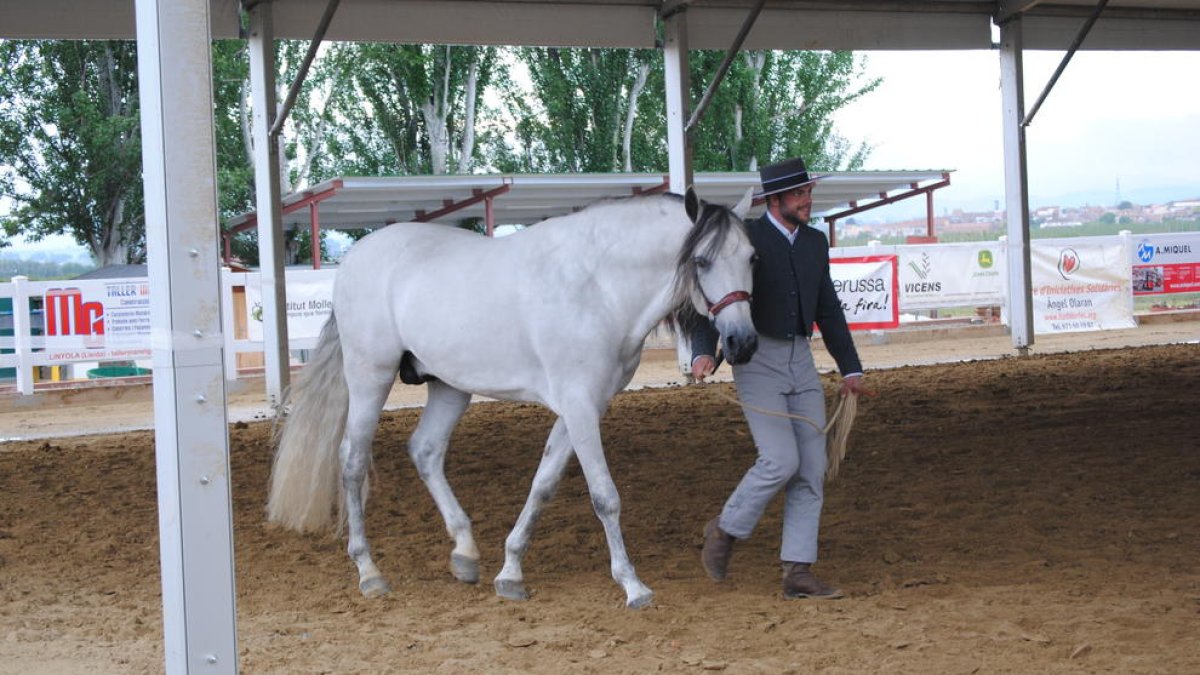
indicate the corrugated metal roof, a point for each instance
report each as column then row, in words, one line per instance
column 348, row 202
column 712, row 24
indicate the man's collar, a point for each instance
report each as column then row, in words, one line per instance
column 790, row 234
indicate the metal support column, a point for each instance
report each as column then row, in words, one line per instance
column 675, row 63
column 267, row 199
column 679, row 145
column 929, row 214
column 1016, row 186
column 191, row 437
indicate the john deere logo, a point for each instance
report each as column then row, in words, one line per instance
column 985, row 259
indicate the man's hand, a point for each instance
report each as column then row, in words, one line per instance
column 850, row 385
column 703, row 366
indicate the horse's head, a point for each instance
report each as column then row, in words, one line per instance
column 716, row 272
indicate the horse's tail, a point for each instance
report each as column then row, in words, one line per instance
column 306, row 478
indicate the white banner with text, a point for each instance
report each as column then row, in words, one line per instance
column 1166, row 263
column 97, row 319
column 951, row 275
column 309, row 304
column 1080, row 286
column 866, row 285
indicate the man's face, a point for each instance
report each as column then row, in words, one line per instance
column 796, row 205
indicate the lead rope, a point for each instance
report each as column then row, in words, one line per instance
column 840, row 422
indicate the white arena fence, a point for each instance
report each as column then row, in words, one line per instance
column 1078, row 284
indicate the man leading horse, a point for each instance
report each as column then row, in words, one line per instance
column 792, row 291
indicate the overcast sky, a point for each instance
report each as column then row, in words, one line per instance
column 1132, row 117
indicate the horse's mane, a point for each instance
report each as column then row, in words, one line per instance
column 715, row 221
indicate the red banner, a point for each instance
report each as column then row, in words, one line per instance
column 1172, row 278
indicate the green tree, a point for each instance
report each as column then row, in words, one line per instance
column 604, row 110
column 406, row 109
column 71, row 146
column 302, row 144
column 777, row 104
column 583, row 112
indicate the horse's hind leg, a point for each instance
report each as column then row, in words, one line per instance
column 427, row 448
column 510, row 583
column 367, row 396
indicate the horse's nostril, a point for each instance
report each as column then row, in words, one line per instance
column 739, row 348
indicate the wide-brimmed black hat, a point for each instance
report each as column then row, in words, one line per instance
column 784, row 176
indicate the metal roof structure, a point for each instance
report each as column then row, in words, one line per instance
column 371, row 202
column 712, row 24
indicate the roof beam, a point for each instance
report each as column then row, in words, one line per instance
column 302, row 75
column 307, row 197
column 1062, row 65
column 452, row 206
column 1008, row 10
column 670, row 7
column 724, row 68
column 884, row 199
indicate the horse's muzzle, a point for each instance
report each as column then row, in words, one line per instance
column 740, row 347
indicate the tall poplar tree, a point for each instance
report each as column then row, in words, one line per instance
column 604, row 110
column 409, row 109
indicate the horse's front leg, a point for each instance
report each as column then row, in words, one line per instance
column 427, row 448
column 583, row 425
column 510, row 582
column 366, row 402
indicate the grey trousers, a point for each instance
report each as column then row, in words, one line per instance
column 791, row 453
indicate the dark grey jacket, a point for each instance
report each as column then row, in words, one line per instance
column 792, row 290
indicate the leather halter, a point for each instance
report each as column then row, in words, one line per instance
column 731, row 297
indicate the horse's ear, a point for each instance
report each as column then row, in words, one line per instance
column 743, row 207
column 692, row 204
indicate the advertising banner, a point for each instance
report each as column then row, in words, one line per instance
column 951, row 275
column 309, row 304
column 1080, row 286
column 97, row 319
column 866, row 286
column 1166, row 263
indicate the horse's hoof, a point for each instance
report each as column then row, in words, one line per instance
column 464, row 569
column 374, row 587
column 640, row 601
column 510, row 589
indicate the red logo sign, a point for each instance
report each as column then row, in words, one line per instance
column 68, row 314
column 1068, row 262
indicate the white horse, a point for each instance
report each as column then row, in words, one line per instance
column 555, row 314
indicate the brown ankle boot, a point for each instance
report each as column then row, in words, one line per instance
column 799, row 582
column 718, row 548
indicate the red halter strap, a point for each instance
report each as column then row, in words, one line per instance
column 729, row 299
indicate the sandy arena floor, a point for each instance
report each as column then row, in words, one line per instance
column 1034, row 515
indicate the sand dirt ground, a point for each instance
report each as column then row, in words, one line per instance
column 995, row 515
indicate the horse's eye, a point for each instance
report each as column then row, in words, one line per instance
column 701, row 262
column 753, row 258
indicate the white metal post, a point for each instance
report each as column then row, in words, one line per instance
column 679, row 147
column 1016, row 185
column 191, row 434
column 268, row 201
column 676, row 78
column 22, row 335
